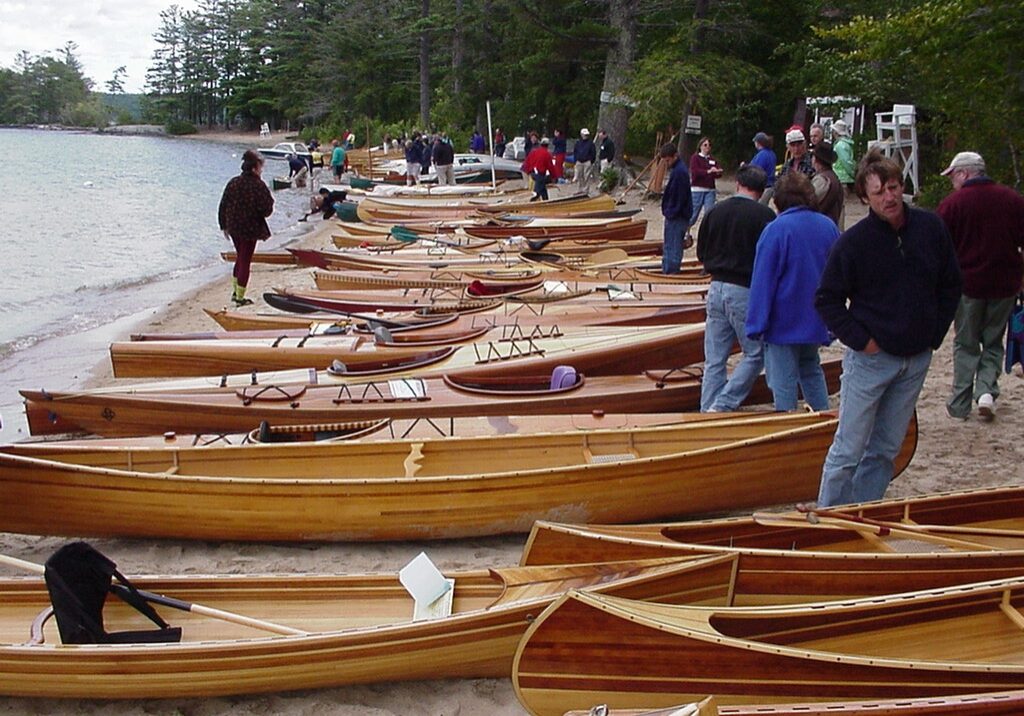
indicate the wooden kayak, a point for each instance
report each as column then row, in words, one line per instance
column 239, row 404
column 419, row 489
column 343, row 630
column 980, row 520
column 439, row 282
column 996, row 703
column 592, row 350
column 948, row 641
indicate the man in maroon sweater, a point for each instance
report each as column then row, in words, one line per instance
column 986, row 221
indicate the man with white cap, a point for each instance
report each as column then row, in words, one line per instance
column 986, row 221
column 584, row 154
column 799, row 157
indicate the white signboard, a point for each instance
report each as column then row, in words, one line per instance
column 693, row 123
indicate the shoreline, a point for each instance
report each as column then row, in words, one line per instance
column 950, row 455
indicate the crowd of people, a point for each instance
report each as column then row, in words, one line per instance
column 888, row 288
column 785, row 282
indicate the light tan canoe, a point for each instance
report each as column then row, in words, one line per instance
column 587, row 649
column 592, row 350
column 420, row 489
column 350, row 629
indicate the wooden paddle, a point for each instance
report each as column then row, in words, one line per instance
column 176, row 603
column 867, row 530
column 883, row 528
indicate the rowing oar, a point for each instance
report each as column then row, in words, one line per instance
column 883, row 528
column 176, row 603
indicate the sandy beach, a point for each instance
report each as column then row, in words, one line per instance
column 951, row 454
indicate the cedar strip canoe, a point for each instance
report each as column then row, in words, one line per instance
column 503, row 315
column 420, row 489
column 997, row 703
column 587, row 649
column 360, row 630
column 202, row 405
column 592, row 350
column 978, row 520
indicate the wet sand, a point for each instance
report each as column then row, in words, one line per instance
column 950, row 455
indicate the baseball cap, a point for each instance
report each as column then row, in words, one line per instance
column 965, row 160
column 794, row 135
column 584, row 132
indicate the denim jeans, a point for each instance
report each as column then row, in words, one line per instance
column 701, row 200
column 977, row 350
column 787, row 366
column 726, row 319
column 876, row 401
column 672, row 250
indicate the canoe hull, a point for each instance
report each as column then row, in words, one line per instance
column 603, row 476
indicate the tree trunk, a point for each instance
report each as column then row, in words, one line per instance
column 613, row 116
column 458, row 51
column 425, row 70
column 700, row 13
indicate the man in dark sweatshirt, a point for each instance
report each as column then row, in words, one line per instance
column 888, row 292
column 676, row 207
column 726, row 244
column 986, row 221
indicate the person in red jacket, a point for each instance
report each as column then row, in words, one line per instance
column 986, row 221
column 704, row 169
column 540, row 166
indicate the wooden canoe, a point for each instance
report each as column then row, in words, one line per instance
column 587, row 648
column 630, row 314
column 420, row 489
column 980, row 520
column 997, row 703
column 352, row 629
column 592, row 350
column 205, row 405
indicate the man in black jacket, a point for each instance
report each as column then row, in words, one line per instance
column 443, row 156
column 584, row 154
column 606, row 149
column 726, row 244
column 889, row 292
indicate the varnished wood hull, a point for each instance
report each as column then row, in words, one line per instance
column 592, row 351
column 998, row 703
column 157, row 408
column 587, row 649
column 360, row 631
column 616, row 315
column 423, row 489
column 971, row 521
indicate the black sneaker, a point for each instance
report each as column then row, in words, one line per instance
column 241, row 301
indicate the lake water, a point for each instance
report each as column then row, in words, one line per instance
column 97, row 232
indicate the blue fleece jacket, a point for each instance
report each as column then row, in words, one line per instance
column 676, row 199
column 791, row 255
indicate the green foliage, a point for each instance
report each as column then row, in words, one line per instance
column 44, row 89
column 961, row 62
column 609, row 179
column 180, row 126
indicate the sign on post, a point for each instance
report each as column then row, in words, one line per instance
column 693, row 123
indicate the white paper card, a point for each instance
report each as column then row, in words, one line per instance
column 408, row 388
column 423, row 580
column 556, row 287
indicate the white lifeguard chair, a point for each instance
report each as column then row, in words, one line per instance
column 896, row 133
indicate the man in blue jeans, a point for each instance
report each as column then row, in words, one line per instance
column 889, row 292
column 676, row 207
column 726, row 245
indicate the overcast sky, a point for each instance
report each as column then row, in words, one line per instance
column 109, row 33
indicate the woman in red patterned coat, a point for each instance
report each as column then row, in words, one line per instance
column 242, row 215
